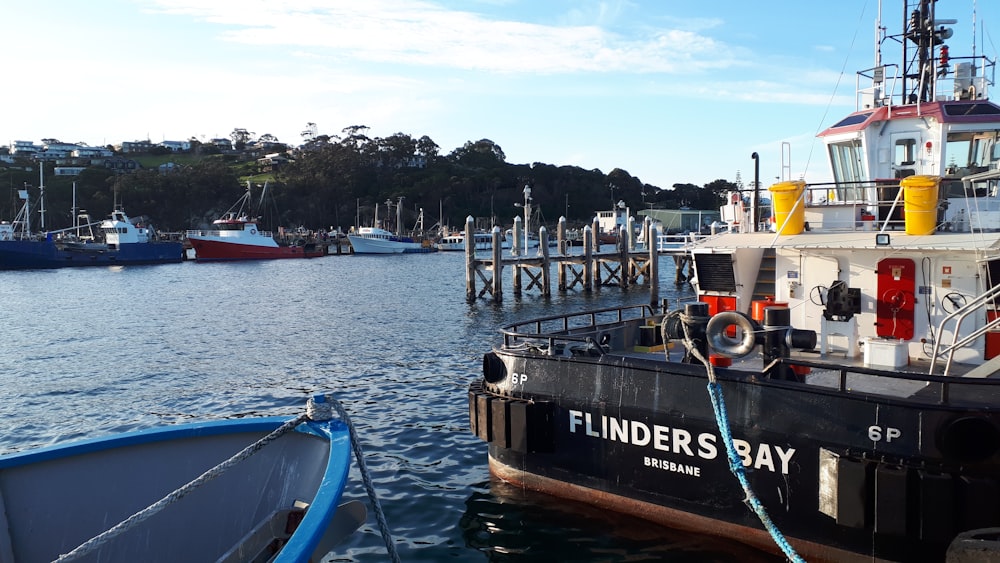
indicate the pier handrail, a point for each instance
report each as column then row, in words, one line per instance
column 959, row 315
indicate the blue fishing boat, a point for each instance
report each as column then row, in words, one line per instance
column 250, row 489
column 120, row 242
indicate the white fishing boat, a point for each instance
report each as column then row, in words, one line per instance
column 451, row 242
column 483, row 242
column 377, row 240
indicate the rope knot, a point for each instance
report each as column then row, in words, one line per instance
column 317, row 408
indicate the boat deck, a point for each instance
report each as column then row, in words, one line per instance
column 832, row 238
column 624, row 333
column 839, row 373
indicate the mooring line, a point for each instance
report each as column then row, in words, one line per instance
column 735, row 462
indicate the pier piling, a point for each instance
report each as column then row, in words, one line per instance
column 625, row 265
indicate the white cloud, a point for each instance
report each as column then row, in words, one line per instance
column 421, row 33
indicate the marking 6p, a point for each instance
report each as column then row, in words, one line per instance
column 877, row 434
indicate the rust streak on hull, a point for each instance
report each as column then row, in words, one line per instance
column 671, row 518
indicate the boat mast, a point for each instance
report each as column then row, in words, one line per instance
column 527, row 213
column 73, row 214
column 973, row 29
column 25, row 214
column 41, row 194
column 399, row 217
column 258, row 214
column 878, row 38
column 925, row 33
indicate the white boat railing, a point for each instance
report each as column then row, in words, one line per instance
column 678, row 242
column 959, row 315
column 971, row 79
column 224, row 233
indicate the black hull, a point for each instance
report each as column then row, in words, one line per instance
column 841, row 474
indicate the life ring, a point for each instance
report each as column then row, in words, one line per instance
column 253, row 231
column 726, row 345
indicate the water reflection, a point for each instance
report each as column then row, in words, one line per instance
column 507, row 523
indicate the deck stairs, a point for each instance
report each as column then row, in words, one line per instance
column 764, row 286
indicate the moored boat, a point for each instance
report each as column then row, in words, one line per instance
column 483, row 241
column 451, row 242
column 247, row 489
column 526, row 242
column 834, row 392
column 122, row 242
column 609, row 223
column 378, row 240
column 237, row 236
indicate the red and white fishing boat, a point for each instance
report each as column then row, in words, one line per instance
column 236, row 236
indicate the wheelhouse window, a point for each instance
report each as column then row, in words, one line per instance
column 969, row 152
column 848, row 163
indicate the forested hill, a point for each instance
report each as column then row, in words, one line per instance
column 332, row 181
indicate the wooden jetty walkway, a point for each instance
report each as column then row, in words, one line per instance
column 588, row 269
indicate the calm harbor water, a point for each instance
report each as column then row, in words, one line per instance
column 94, row 351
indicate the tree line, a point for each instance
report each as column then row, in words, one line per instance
column 331, row 181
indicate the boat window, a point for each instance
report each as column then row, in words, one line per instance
column 847, row 161
column 969, row 152
column 906, row 152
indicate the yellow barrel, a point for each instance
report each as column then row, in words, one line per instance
column 920, row 203
column 789, row 218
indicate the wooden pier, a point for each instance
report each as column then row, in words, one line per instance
column 588, row 270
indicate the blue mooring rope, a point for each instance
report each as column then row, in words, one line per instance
column 736, row 467
column 722, row 420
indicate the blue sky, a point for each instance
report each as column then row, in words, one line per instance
column 670, row 91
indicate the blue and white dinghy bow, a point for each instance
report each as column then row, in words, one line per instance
column 251, row 489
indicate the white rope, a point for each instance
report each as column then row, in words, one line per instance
column 146, row 513
column 319, row 408
column 383, row 527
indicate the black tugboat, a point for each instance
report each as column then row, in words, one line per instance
column 847, row 373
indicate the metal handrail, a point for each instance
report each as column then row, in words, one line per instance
column 513, row 333
column 959, row 315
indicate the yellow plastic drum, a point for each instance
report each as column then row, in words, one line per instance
column 789, row 208
column 920, row 203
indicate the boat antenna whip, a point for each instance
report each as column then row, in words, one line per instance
column 321, row 406
column 735, row 462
